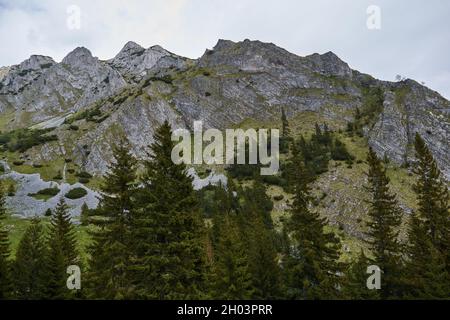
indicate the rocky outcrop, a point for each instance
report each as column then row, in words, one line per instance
column 139, row 88
column 134, row 62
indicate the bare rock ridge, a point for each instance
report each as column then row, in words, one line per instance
column 139, row 88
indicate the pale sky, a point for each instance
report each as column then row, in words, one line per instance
column 414, row 39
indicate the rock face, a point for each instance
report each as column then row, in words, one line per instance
column 139, row 88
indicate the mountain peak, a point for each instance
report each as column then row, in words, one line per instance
column 329, row 63
column 77, row 55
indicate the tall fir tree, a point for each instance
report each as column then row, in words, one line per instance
column 29, row 266
column 286, row 131
column 429, row 230
column 112, row 250
column 5, row 266
column 383, row 228
column 231, row 278
column 256, row 222
column 62, row 252
column 312, row 264
column 170, row 232
column 433, row 199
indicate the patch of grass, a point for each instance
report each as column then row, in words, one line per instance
column 23, row 139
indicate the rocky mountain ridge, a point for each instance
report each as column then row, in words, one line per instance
column 139, row 88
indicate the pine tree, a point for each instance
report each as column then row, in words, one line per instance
column 263, row 262
column 28, row 267
column 5, row 266
column 429, row 230
column 231, row 279
column 111, row 254
column 62, row 252
column 383, row 228
column 312, row 267
column 286, row 131
column 170, row 232
column 84, row 214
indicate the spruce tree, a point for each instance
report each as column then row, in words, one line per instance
column 84, row 214
column 62, row 252
column 5, row 266
column 231, row 279
column 111, row 253
column 383, row 228
column 429, row 230
column 29, row 266
column 256, row 223
column 433, row 199
column 170, row 232
column 286, row 131
column 312, row 267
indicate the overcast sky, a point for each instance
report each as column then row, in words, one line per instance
column 413, row 41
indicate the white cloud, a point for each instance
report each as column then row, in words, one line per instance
column 413, row 40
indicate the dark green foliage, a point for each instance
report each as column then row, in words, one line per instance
column 76, row 193
column 62, row 252
column 48, row 212
column 383, row 227
column 231, row 278
column 53, row 191
column 111, row 253
column 166, row 79
column 169, row 234
column 92, row 115
column 23, row 139
column 355, row 283
column 84, row 174
column 311, row 264
column 30, row 277
column 257, row 228
column 316, row 152
column 84, row 214
column 429, row 231
column 373, row 100
column 5, row 266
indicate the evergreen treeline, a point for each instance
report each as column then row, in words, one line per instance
column 154, row 237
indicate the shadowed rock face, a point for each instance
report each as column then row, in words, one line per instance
column 140, row 88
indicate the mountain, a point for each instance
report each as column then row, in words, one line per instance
column 87, row 102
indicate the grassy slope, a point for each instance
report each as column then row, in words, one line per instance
column 340, row 189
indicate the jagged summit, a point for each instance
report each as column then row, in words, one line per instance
column 79, row 54
column 330, row 63
column 232, row 82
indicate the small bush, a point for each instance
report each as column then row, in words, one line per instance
column 48, row 191
column 18, row 162
column 83, row 180
column 84, row 174
column 73, row 127
column 76, row 193
column 278, row 198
